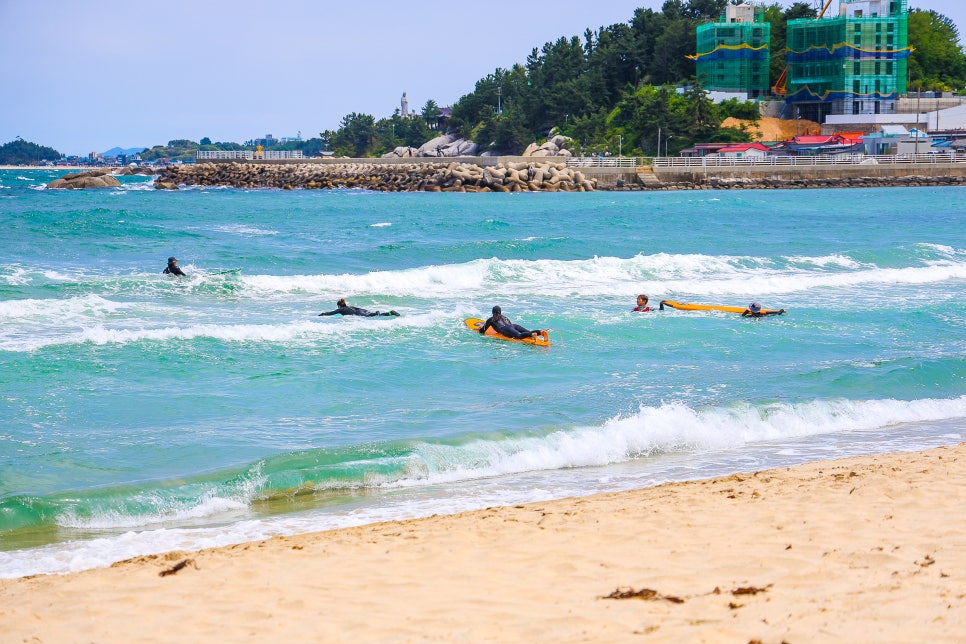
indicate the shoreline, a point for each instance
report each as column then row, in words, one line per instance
column 859, row 549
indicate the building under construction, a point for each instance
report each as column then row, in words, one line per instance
column 733, row 54
column 852, row 63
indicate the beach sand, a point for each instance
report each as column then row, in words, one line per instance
column 867, row 549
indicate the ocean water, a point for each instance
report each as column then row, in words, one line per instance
column 141, row 413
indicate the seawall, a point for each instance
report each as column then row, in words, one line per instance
column 551, row 174
column 389, row 175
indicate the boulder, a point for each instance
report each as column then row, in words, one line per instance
column 555, row 147
column 401, row 152
column 100, row 178
column 434, row 147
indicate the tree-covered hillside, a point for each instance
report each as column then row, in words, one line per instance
column 20, row 152
column 615, row 86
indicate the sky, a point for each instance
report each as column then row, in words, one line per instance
column 87, row 77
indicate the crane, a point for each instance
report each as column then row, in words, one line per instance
column 782, row 82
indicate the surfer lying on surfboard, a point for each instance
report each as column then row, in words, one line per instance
column 752, row 310
column 502, row 325
column 345, row 309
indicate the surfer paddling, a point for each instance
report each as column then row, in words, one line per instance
column 345, row 309
column 502, row 325
column 754, row 311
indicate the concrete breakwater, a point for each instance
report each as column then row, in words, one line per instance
column 426, row 177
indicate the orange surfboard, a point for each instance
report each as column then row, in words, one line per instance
column 711, row 307
column 474, row 324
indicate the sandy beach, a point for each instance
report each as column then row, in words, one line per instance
column 866, row 549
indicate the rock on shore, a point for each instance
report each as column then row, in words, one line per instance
column 405, row 177
column 93, row 179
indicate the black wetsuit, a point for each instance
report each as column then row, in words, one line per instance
column 174, row 269
column 503, row 326
column 355, row 310
column 748, row 313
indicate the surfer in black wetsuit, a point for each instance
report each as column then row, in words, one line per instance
column 502, row 325
column 173, row 268
column 754, row 311
column 345, row 309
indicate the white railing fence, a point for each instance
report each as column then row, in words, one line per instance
column 820, row 160
column 248, row 154
column 604, row 162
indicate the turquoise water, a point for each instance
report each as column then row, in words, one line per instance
column 141, row 413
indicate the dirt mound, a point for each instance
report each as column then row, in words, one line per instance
column 772, row 129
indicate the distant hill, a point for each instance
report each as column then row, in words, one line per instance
column 20, row 152
column 116, row 152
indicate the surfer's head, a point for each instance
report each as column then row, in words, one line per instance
column 641, row 299
column 497, row 310
column 341, row 302
column 172, row 260
column 754, row 307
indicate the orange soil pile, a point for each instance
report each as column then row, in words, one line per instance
column 772, row 129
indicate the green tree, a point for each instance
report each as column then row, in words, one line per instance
column 937, row 61
column 744, row 110
column 431, row 112
column 20, row 152
column 313, row 147
column 356, row 134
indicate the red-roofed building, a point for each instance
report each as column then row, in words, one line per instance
column 804, row 145
column 704, row 149
column 744, row 150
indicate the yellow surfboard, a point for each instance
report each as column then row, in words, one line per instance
column 474, row 324
column 712, row 307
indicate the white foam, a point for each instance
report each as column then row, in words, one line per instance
column 112, row 520
column 695, row 275
column 675, row 427
column 663, row 429
column 241, row 229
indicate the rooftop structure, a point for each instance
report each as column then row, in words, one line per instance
column 853, row 63
column 733, row 53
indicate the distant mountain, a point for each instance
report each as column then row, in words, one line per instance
column 116, row 152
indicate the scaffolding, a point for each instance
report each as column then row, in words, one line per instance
column 733, row 54
column 854, row 63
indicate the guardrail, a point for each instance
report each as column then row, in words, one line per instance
column 225, row 154
column 604, row 162
column 248, row 154
column 821, row 160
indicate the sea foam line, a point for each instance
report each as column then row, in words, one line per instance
column 670, row 426
column 610, row 276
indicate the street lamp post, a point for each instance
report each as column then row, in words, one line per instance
column 620, row 145
column 669, row 137
column 499, row 99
